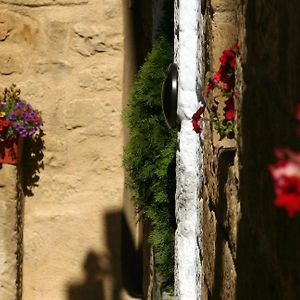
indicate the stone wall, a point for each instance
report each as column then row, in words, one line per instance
column 251, row 249
column 220, row 186
column 67, row 57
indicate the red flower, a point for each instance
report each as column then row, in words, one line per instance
column 288, row 195
column 5, row 123
column 1, row 127
column 227, row 56
column 217, row 76
column 196, row 119
column 286, row 177
column 229, row 109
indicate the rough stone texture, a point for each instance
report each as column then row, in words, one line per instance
column 10, row 62
column 38, row 3
column 221, row 208
column 8, row 234
column 67, row 57
column 251, row 249
column 188, row 273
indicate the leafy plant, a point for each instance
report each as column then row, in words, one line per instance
column 149, row 157
column 224, row 82
column 17, row 117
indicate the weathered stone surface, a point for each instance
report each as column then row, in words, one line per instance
column 224, row 34
column 221, row 5
column 52, row 66
column 99, row 78
column 58, row 36
column 55, row 152
column 18, row 28
column 44, row 2
column 209, row 251
column 8, row 237
column 94, row 116
column 76, row 206
column 91, row 38
column 77, row 202
column 221, row 205
column 10, row 62
column 33, row 91
column 232, row 211
column 112, row 8
column 228, row 275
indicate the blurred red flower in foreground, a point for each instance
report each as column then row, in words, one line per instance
column 286, row 177
column 196, row 119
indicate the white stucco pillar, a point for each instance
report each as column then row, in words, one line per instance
column 188, row 244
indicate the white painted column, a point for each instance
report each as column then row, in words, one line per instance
column 188, row 271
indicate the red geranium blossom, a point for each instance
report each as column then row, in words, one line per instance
column 229, row 109
column 286, row 177
column 223, row 79
column 196, row 119
column 228, row 58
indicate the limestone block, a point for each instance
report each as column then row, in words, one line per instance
column 8, row 238
column 228, row 276
column 224, row 33
column 221, row 5
column 17, row 28
column 99, row 78
column 98, row 156
column 90, row 38
column 4, row 31
column 44, row 2
column 209, row 237
column 233, row 210
column 33, row 91
column 52, row 66
column 112, row 8
column 54, row 187
column 57, row 33
column 55, row 151
column 93, row 116
column 10, row 62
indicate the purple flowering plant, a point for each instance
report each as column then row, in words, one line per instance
column 17, row 117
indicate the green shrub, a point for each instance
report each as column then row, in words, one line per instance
column 149, row 157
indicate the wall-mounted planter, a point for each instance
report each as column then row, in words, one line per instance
column 11, row 151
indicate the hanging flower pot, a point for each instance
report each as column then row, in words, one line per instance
column 18, row 120
column 11, row 151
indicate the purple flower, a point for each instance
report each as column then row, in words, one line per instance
column 12, row 116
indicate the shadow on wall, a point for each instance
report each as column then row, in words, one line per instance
column 32, row 162
column 92, row 287
column 140, row 20
column 107, row 274
column 225, row 161
column 268, row 246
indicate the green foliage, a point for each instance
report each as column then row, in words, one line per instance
column 149, row 157
column 224, row 127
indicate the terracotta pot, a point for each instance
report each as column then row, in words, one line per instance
column 11, row 151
